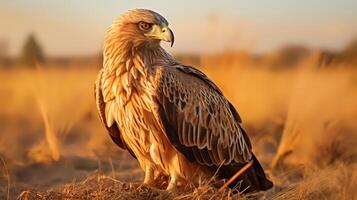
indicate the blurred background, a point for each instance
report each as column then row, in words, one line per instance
column 289, row 67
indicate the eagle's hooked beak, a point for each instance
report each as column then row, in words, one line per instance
column 162, row 33
column 168, row 35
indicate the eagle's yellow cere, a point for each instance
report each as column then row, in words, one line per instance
column 169, row 116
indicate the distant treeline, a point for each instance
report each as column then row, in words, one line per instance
column 289, row 56
column 286, row 57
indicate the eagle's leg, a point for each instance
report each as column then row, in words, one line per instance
column 149, row 175
column 173, row 183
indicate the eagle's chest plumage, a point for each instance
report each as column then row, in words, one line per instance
column 136, row 118
column 133, row 87
column 128, row 90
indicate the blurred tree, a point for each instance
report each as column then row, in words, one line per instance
column 292, row 54
column 31, row 52
column 4, row 56
column 287, row 57
column 350, row 52
column 3, row 49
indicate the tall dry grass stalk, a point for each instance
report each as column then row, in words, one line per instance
column 50, row 135
column 321, row 111
column 58, row 97
column 42, row 106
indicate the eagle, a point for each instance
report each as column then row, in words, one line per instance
column 171, row 117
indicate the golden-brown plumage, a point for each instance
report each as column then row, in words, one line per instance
column 171, row 117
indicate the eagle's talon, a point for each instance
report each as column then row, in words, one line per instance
column 172, row 184
column 149, row 176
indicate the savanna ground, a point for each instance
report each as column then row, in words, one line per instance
column 301, row 120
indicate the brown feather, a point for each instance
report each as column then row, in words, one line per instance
column 201, row 93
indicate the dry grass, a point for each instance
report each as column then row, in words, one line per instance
column 301, row 122
column 104, row 187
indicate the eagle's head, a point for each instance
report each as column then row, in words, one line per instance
column 139, row 27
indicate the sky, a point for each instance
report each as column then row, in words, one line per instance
column 77, row 27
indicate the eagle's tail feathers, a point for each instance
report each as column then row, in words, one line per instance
column 252, row 180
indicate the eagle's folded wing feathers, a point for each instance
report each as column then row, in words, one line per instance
column 198, row 120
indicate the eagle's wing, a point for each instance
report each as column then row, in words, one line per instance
column 198, row 120
column 112, row 129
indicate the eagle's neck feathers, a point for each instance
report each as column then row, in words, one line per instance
column 128, row 64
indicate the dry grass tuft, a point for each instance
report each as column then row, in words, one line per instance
column 105, row 187
column 333, row 182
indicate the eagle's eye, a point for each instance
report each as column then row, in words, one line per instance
column 144, row 26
